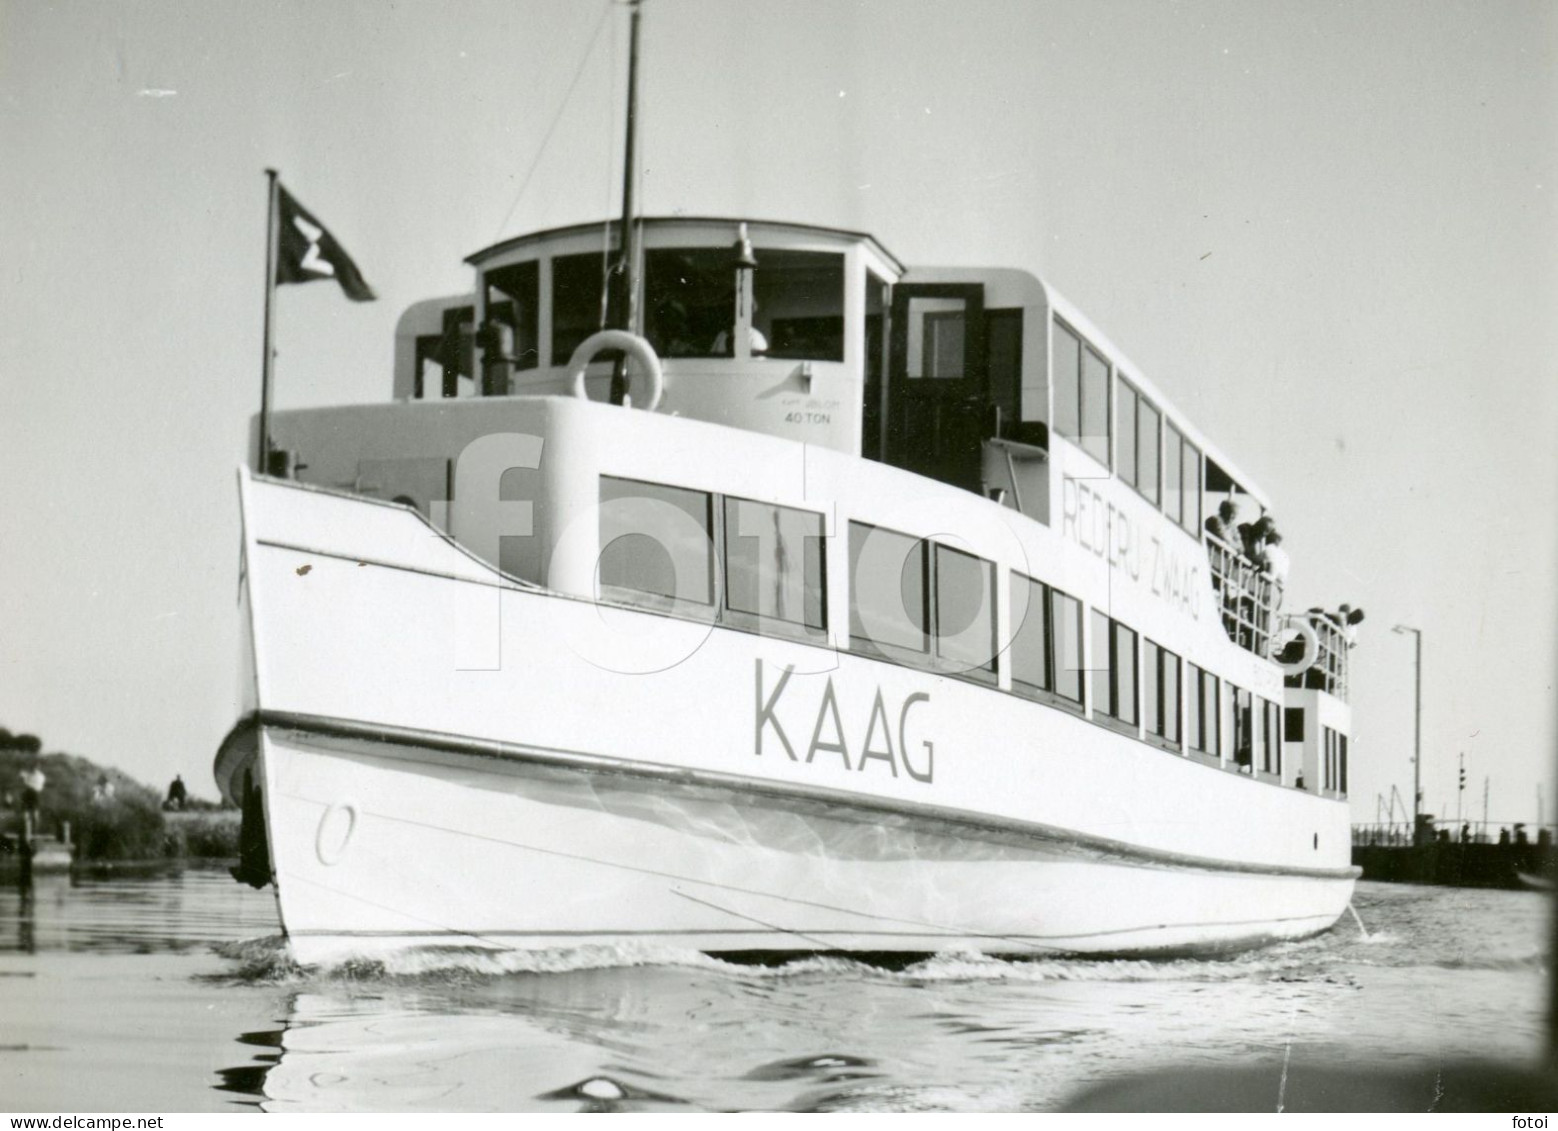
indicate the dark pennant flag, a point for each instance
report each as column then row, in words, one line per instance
column 308, row 252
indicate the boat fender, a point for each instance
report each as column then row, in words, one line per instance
column 636, row 347
column 1311, row 653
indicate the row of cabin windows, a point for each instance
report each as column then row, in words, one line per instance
column 917, row 601
column 1150, row 453
column 658, row 547
column 690, row 300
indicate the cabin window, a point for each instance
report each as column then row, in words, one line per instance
column 580, row 304
column 887, row 589
column 1333, row 769
column 798, row 304
column 1160, row 692
column 1272, row 750
column 1066, row 645
column 1003, row 362
column 1081, row 389
column 965, row 610
column 774, row 565
column 1046, row 651
column 690, row 301
column 1095, row 405
column 1137, row 443
column 1181, row 480
column 1114, row 669
column 1030, row 651
column 513, row 303
column 1293, row 723
column 1243, row 728
column 656, row 544
column 1202, row 718
column 1066, row 378
column 1173, row 479
column 1190, row 485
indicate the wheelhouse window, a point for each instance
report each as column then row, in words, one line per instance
column 887, row 590
column 690, row 301
column 798, row 304
column 1137, row 442
column 580, row 304
column 1080, row 379
column 513, row 305
column 1114, row 669
column 1160, row 670
column 965, row 611
column 445, row 362
column 774, row 566
column 1202, row 718
column 656, row 544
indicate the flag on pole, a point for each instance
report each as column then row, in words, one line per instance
column 308, row 252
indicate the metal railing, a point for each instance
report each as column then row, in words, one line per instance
column 1329, row 672
column 1248, row 597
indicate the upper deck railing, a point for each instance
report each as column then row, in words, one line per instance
column 1329, row 671
column 1248, row 596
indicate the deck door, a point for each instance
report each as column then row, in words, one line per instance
column 937, row 385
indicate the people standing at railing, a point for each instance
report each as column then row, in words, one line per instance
column 1222, row 525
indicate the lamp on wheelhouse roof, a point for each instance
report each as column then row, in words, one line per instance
column 746, row 259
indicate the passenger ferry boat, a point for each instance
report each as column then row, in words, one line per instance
column 881, row 616
column 821, row 603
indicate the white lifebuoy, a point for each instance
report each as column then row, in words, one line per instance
column 636, row 347
column 1311, row 640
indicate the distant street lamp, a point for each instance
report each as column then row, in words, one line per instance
column 1417, row 729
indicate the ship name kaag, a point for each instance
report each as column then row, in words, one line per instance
column 829, row 737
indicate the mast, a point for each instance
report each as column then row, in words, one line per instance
column 626, row 277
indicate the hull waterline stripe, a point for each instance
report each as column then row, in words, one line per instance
column 1044, row 941
column 581, row 760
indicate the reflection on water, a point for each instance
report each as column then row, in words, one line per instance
column 1443, row 974
column 150, row 910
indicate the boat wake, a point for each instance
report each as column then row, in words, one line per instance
column 268, row 961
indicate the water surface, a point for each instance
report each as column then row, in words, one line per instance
column 172, row 991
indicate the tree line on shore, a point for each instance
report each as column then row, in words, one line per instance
column 111, row 816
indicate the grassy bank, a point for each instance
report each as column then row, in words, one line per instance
column 113, row 817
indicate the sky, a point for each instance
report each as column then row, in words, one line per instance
column 1326, row 230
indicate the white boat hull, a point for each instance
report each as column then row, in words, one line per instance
column 383, row 845
column 411, row 800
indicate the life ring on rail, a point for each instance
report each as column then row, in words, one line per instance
column 636, row 347
column 1280, row 641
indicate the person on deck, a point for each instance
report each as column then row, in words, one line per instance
column 1223, row 524
column 177, row 794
